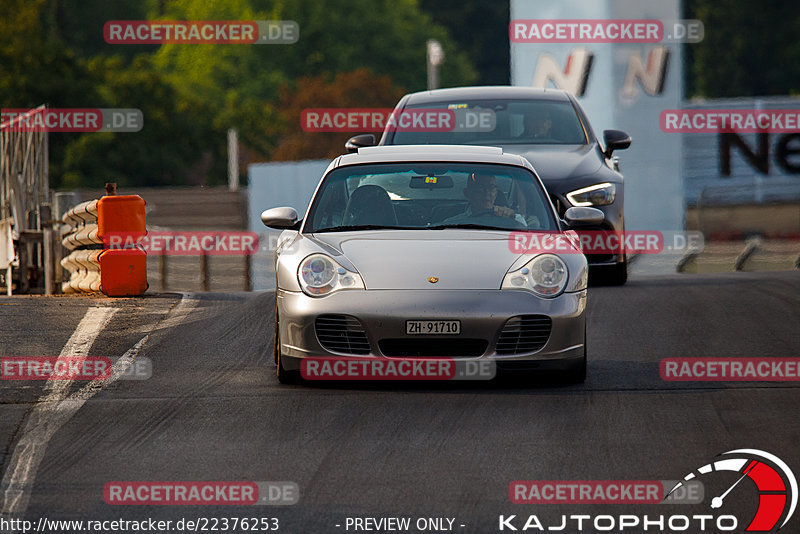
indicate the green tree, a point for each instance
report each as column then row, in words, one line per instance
column 79, row 24
column 52, row 51
column 175, row 137
column 749, row 49
column 35, row 69
column 357, row 89
column 385, row 36
column 480, row 29
column 241, row 82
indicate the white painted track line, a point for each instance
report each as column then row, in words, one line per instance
column 54, row 408
column 48, row 415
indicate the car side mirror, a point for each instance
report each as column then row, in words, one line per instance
column 616, row 140
column 281, row 218
column 359, row 141
column 583, row 216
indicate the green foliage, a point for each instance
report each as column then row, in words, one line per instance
column 357, row 89
column 243, row 81
column 35, row 69
column 480, row 29
column 350, row 53
column 52, row 51
column 79, row 23
column 175, row 134
column 749, row 49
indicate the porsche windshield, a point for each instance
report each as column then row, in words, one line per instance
column 430, row 196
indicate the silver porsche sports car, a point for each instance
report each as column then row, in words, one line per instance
column 407, row 252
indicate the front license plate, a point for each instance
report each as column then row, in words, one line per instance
column 433, row 327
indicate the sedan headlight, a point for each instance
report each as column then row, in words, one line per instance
column 320, row 275
column 545, row 275
column 594, row 195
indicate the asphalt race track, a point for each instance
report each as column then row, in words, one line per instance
column 214, row 411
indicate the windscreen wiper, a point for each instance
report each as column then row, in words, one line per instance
column 472, row 226
column 348, row 228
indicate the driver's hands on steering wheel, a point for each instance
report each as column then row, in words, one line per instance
column 502, row 211
column 496, row 211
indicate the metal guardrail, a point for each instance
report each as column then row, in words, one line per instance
column 757, row 193
column 84, row 265
column 25, row 199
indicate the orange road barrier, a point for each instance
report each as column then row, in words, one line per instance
column 116, row 272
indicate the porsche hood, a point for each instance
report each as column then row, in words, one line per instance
column 412, row 259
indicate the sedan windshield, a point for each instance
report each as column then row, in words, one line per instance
column 430, row 196
column 514, row 122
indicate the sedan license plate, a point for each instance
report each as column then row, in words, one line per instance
column 433, row 327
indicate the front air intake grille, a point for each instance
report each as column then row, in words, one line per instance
column 523, row 334
column 341, row 333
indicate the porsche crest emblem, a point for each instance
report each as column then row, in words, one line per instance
column 432, row 279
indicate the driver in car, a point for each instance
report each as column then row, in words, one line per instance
column 481, row 192
column 537, row 126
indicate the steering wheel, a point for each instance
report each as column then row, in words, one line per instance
column 490, row 213
column 484, row 213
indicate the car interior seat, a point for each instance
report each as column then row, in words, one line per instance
column 369, row 204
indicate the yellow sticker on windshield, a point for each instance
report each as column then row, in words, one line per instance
column 457, row 106
column 430, row 179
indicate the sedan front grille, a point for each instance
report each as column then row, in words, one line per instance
column 341, row 333
column 524, row 333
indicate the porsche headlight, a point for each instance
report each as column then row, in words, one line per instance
column 594, row 195
column 545, row 275
column 320, row 275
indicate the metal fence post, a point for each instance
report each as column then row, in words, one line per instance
column 204, row 274
column 162, row 267
column 248, row 282
column 48, row 258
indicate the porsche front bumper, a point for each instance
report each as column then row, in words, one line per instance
column 382, row 315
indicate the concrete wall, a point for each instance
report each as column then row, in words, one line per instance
column 653, row 179
column 272, row 185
